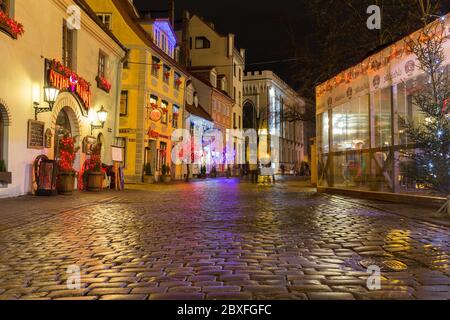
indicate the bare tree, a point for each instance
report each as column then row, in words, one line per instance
column 340, row 36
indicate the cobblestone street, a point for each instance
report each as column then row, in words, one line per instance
column 219, row 239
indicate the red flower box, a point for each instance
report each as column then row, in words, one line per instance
column 11, row 26
column 103, row 84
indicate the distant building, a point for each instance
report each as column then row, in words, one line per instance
column 269, row 104
column 203, row 46
column 153, row 88
column 219, row 105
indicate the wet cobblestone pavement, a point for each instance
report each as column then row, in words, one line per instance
column 220, row 239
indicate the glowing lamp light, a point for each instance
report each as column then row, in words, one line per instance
column 50, row 95
column 102, row 115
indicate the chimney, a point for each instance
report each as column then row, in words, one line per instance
column 172, row 12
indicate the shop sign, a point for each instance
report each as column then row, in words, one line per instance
column 65, row 79
column 155, row 115
column 153, row 134
column 36, row 134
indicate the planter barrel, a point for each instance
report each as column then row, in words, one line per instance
column 65, row 183
column 149, row 179
column 166, row 178
column 95, row 181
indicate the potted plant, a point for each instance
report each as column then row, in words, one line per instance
column 148, row 177
column 66, row 176
column 95, row 174
column 5, row 177
column 165, row 173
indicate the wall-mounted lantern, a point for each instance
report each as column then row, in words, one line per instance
column 102, row 116
column 50, row 96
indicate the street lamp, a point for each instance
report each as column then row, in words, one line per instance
column 50, row 96
column 102, row 116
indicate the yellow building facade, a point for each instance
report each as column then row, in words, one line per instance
column 153, row 90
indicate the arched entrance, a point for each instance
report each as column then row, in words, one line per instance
column 66, row 124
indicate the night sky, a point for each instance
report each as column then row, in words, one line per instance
column 264, row 28
column 259, row 26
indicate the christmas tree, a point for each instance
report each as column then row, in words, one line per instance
column 431, row 156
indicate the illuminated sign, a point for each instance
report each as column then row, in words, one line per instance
column 67, row 80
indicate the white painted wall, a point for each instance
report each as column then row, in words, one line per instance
column 22, row 71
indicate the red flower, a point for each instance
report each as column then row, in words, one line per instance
column 15, row 27
column 103, row 84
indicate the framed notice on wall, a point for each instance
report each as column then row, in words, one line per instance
column 36, row 135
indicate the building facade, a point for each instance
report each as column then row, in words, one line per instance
column 203, row 46
column 219, row 105
column 267, row 102
column 198, row 121
column 64, row 57
column 359, row 128
column 153, row 89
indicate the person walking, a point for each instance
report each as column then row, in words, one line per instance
column 254, row 172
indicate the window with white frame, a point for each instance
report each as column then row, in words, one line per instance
column 106, row 19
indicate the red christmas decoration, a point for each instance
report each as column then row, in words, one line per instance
column 14, row 27
column 67, row 154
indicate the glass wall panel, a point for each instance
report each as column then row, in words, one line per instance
column 382, row 104
column 323, row 137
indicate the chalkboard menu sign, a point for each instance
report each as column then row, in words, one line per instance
column 36, row 132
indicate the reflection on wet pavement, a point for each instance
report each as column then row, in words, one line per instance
column 221, row 239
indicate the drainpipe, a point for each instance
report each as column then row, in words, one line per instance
column 119, row 92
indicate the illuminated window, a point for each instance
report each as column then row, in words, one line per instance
column 156, row 65
column 106, row 19
column 166, row 76
column 124, row 103
column 175, row 116
column 165, row 111
column 177, row 81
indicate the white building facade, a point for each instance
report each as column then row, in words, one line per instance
column 66, row 48
column 203, row 46
column 267, row 101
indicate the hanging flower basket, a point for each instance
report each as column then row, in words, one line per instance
column 10, row 25
column 103, row 84
column 167, row 75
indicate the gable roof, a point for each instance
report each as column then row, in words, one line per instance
column 131, row 17
column 88, row 10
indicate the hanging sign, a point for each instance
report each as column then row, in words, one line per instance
column 67, row 80
column 155, row 115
